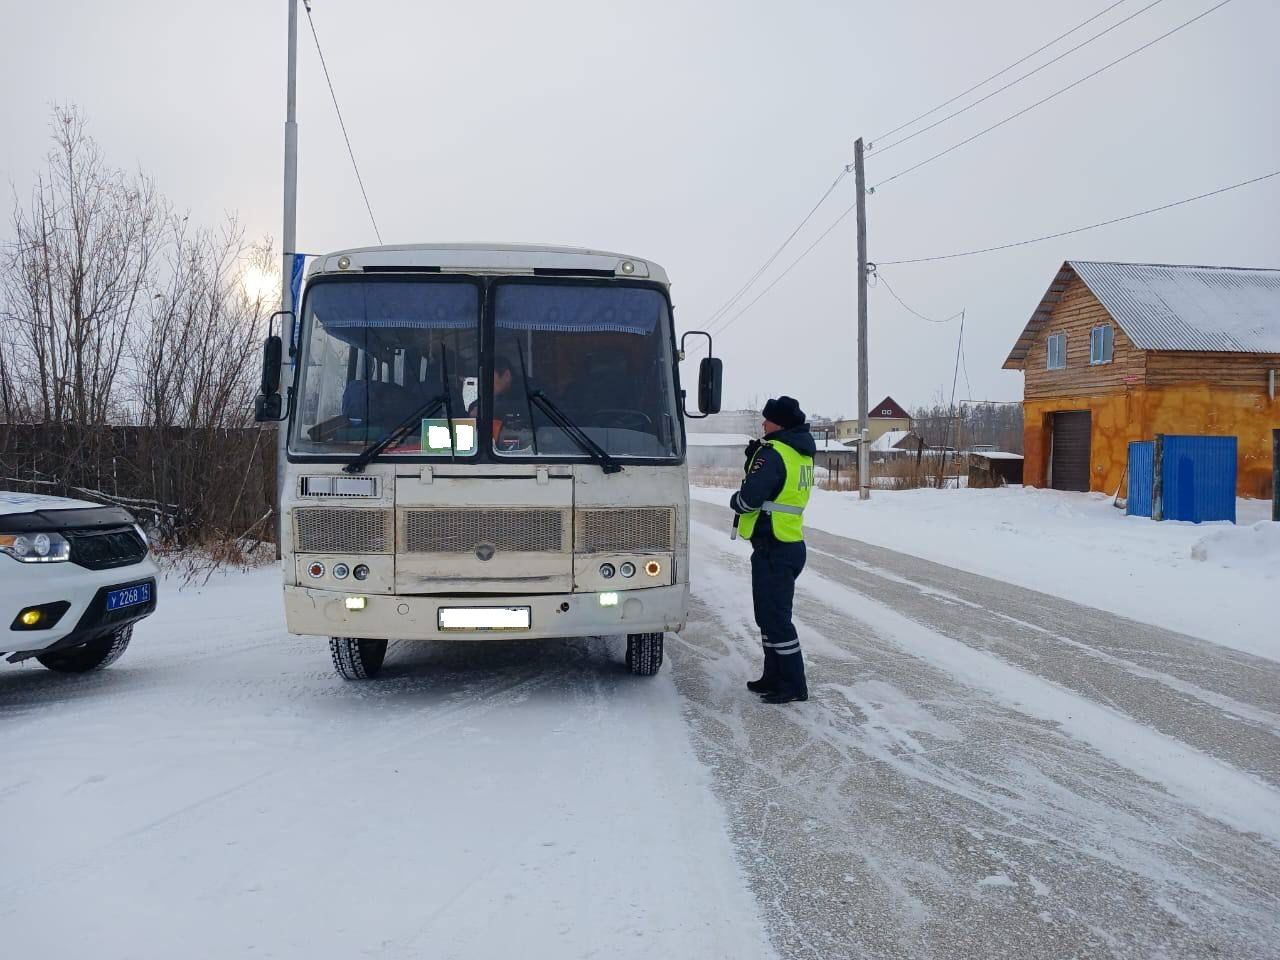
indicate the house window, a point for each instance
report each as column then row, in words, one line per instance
column 1058, row 351
column 1101, row 344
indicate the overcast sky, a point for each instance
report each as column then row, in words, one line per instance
column 697, row 134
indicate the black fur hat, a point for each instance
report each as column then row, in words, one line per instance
column 784, row 411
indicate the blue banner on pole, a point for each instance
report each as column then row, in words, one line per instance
column 295, row 294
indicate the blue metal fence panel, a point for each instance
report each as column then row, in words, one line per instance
column 1141, row 478
column 1199, row 478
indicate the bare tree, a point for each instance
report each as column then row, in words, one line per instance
column 128, row 346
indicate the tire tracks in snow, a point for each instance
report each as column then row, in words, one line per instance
column 903, row 811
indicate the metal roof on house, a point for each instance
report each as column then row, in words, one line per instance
column 1171, row 307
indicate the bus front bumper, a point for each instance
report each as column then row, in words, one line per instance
column 327, row 613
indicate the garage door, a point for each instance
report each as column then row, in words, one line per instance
column 1070, row 465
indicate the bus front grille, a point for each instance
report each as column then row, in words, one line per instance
column 625, row 530
column 453, row 530
column 346, row 530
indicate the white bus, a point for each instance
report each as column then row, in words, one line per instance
column 485, row 441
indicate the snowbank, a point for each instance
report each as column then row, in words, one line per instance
column 1209, row 580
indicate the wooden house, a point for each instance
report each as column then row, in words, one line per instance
column 1122, row 351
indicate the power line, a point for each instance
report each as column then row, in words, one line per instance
column 728, row 304
column 998, row 73
column 794, row 263
column 1091, row 226
column 338, row 110
column 894, row 294
column 1014, row 83
column 1055, row 94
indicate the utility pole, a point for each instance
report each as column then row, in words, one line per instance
column 288, row 242
column 864, row 454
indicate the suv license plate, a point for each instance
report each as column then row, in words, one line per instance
column 484, row 618
column 129, row 596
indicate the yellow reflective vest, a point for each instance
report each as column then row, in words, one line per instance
column 786, row 510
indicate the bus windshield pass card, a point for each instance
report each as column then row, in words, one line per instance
column 435, row 436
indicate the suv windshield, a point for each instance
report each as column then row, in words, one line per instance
column 373, row 351
column 600, row 354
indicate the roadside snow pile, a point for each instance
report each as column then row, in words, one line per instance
column 1254, row 548
column 1207, row 580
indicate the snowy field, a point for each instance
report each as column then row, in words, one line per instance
column 983, row 770
column 1210, row 580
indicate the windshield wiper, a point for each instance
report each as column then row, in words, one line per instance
column 575, row 432
column 371, row 452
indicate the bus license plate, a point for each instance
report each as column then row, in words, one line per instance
column 484, row 618
column 129, row 596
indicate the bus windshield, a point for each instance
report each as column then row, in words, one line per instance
column 373, row 351
column 580, row 365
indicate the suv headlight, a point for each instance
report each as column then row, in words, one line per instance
column 35, row 547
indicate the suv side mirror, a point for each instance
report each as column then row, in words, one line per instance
column 710, row 374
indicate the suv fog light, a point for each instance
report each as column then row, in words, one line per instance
column 607, row 571
column 653, row 568
column 316, row 570
column 340, row 571
column 29, row 618
column 608, row 599
column 355, row 603
column 361, row 572
column 628, row 569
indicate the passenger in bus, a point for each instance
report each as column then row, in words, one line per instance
column 506, row 402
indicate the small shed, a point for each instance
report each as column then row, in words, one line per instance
column 717, row 450
column 994, row 468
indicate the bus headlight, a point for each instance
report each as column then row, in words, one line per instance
column 628, row 569
column 607, row 570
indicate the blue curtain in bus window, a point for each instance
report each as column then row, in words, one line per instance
column 424, row 306
column 574, row 309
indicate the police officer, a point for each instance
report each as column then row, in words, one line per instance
column 770, row 505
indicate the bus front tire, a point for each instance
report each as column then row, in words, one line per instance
column 644, row 653
column 355, row 659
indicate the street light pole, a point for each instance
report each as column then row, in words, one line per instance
column 288, row 242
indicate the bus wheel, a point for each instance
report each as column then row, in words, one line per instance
column 644, row 653
column 355, row 659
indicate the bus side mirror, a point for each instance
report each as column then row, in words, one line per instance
column 710, row 375
column 268, row 406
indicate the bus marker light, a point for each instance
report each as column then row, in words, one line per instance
column 355, row 603
column 653, row 568
column 316, row 570
column 608, row 599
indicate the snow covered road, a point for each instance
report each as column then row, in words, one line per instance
column 985, row 771
column 220, row 793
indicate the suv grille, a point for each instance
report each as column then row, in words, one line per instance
column 461, row 531
column 640, row 530
column 104, row 549
column 319, row 530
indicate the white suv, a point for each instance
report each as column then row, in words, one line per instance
column 74, row 579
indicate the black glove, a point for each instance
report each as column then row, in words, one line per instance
column 750, row 452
